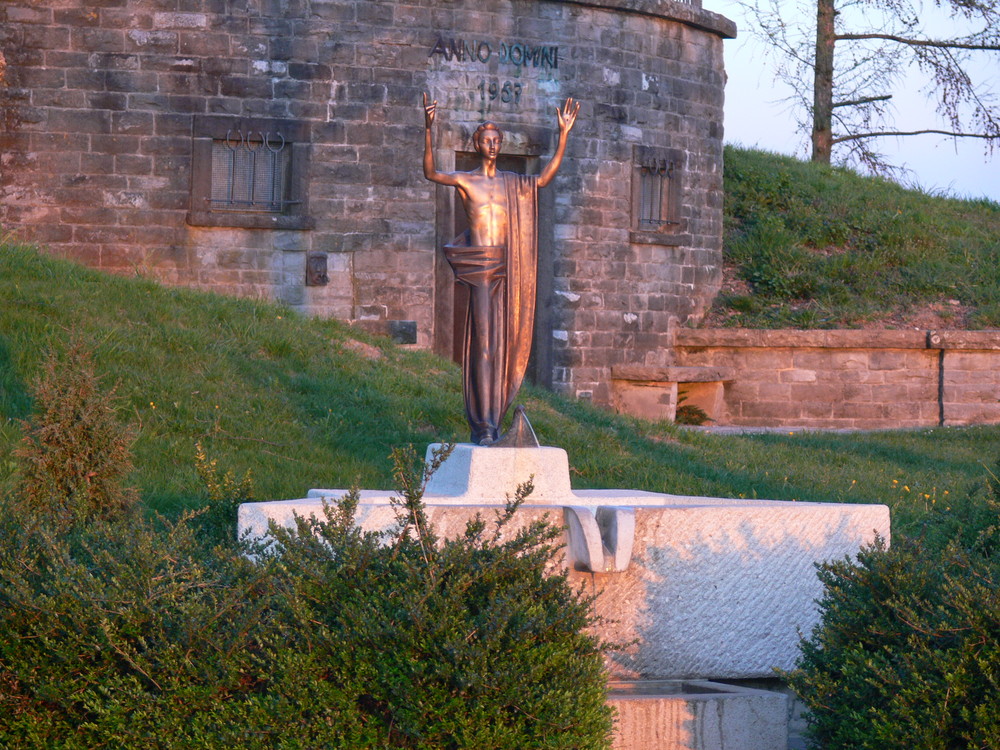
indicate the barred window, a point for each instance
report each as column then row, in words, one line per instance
column 249, row 173
column 656, row 193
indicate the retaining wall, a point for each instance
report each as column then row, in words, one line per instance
column 837, row 379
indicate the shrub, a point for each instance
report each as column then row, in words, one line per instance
column 907, row 654
column 75, row 454
column 464, row 643
column 225, row 492
column 119, row 630
column 690, row 414
column 123, row 632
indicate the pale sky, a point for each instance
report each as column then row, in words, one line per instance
column 757, row 117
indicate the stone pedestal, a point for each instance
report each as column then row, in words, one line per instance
column 705, row 587
column 476, row 475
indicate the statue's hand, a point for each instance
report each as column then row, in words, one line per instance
column 429, row 111
column 567, row 115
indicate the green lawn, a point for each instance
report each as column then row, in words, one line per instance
column 313, row 403
column 810, row 246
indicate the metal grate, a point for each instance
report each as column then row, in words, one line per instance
column 250, row 172
column 654, row 183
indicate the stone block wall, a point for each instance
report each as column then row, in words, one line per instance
column 850, row 379
column 104, row 102
column 969, row 376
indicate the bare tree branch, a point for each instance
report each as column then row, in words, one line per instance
column 978, row 47
column 880, row 134
column 863, row 100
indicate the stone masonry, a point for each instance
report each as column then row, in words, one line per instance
column 823, row 379
column 111, row 110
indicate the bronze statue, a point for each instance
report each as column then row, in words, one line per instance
column 497, row 260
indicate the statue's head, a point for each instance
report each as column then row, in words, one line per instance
column 486, row 127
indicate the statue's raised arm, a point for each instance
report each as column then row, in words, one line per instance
column 430, row 171
column 567, row 117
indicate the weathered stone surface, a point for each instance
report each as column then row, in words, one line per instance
column 843, row 379
column 697, row 715
column 473, row 475
column 649, row 400
column 645, row 373
column 722, row 587
column 970, row 340
column 845, row 339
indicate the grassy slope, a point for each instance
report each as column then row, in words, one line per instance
column 814, row 247
column 295, row 401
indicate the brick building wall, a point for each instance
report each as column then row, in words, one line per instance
column 115, row 113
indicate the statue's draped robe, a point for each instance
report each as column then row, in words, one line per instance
column 501, row 314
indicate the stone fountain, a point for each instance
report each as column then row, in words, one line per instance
column 703, row 588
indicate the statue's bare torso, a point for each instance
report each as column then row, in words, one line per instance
column 485, row 202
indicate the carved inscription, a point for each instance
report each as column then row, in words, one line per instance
column 506, row 92
column 512, row 53
column 494, row 91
